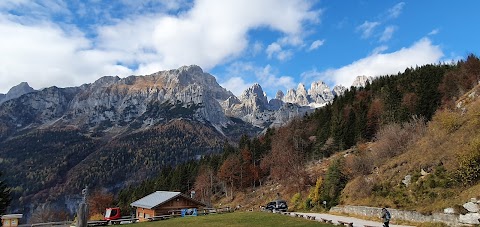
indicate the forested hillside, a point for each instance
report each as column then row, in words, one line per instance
column 379, row 124
column 55, row 163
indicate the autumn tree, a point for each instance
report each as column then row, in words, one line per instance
column 46, row 213
column 98, row 201
column 229, row 172
column 285, row 160
column 204, row 183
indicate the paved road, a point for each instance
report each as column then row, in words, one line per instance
column 336, row 218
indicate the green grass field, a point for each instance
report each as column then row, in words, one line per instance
column 237, row 219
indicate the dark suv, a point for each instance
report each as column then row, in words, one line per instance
column 277, row 205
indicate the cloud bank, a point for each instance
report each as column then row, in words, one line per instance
column 209, row 33
column 420, row 53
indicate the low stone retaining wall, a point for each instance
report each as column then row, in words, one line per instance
column 449, row 219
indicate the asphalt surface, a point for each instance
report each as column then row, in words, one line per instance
column 336, row 218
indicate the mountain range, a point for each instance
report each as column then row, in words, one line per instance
column 54, row 141
column 144, row 101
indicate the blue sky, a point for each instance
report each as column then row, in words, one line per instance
column 276, row 43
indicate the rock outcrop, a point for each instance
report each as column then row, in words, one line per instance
column 361, row 81
column 338, row 90
column 16, row 91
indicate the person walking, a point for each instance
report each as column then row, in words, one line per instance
column 386, row 217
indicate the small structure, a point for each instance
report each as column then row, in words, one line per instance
column 163, row 203
column 11, row 220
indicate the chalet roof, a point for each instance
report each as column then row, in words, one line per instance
column 11, row 216
column 158, row 198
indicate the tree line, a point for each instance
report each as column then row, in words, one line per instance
column 356, row 117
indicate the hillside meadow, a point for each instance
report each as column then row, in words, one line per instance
column 236, row 219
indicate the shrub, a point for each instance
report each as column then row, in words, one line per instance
column 296, row 201
column 449, row 121
column 308, row 204
column 468, row 172
column 315, row 192
column 394, row 139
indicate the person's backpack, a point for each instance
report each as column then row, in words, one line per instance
column 387, row 215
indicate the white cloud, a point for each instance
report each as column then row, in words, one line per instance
column 208, row 33
column 267, row 76
column 379, row 49
column 316, row 44
column 44, row 55
column 420, row 53
column 236, row 85
column 387, row 33
column 434, row 31
column 257, row 48
column 274, row 49
column 396, row 10
column 214, row 31
column 367, row 28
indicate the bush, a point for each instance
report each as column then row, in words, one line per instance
column 449, row 121
column 314, row 195
column 296, row 201
column 468, row 172
column 308, row 204
column 394, row 139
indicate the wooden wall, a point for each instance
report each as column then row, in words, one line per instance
column 174, row 204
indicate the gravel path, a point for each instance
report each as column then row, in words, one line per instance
column 336, row 218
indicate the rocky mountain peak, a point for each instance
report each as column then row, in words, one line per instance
column 105, row 81
column 17, row 91
column 320, row 93
column 254, row 93
column 361, row 81
column 291, row 96
column 279, row 95
column 190, row 69
column 338, row 90
column 301, row 89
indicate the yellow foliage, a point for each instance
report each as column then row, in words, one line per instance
column 469, row 164
column 315, row 192
column 96, row 217
column 296, row 201
column 448, row 120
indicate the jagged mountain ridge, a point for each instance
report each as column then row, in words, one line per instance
column 143, row 101
column 54, row 141
column 135, row 101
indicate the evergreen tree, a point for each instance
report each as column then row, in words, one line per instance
column 4, row 195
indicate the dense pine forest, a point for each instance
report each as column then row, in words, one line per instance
column 399, row 106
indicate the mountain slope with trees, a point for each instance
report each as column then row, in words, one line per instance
column 386, row 126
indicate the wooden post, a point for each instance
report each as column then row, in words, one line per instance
column 82, row 213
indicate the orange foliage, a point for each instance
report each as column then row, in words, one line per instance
column 98, row 201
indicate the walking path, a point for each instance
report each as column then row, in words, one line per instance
column 336, row 218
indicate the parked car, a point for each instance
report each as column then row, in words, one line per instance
column 277, row 205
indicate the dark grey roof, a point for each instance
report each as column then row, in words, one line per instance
column 154, row 199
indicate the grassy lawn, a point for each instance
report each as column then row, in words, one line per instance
column 248, row 219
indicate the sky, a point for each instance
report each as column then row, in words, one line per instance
column 276, row 43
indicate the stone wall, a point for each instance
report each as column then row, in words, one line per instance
column 449, row 219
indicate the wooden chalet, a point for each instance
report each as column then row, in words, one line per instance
column 163, row 203
column 11, row 220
